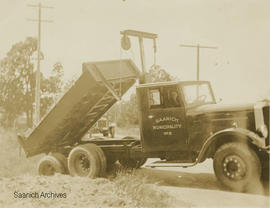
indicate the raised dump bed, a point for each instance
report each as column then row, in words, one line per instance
column 100, row 85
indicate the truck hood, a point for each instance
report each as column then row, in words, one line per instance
column 219, row 108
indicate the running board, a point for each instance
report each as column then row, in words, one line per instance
column 170, row 165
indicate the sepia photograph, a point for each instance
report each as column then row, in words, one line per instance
column 134, row 103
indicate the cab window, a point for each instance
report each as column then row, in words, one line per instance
column 154, row 98
column 171, row 97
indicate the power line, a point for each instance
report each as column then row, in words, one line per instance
column 198, row 46
column 39, row 20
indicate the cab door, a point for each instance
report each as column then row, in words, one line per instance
column 164, row 122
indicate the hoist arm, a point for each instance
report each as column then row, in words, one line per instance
column 126, row 45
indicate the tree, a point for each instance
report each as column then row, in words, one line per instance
column 18, row 81
column 68, row 84
column 126, row 112
column 51, row 88
column 157, row 74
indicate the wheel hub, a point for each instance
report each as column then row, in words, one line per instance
column 234, row 167
column 49, row 170
column 84, row 163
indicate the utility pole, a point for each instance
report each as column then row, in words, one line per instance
column 198, row 46
column 37, row 93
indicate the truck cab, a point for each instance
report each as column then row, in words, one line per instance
column 181, row 121
column 163, row 109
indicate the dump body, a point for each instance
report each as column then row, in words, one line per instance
column 96, row 90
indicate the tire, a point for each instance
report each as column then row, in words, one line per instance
column 84, row 161
column 62, row 159
column 237, row 167
column 49, row 165
column 103, row 161
column 132, row 163
column 265, row 172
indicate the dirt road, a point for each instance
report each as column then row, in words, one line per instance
column 198, row 187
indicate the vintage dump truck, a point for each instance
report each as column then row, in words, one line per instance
column 180, row 123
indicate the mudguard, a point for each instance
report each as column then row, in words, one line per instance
column 242, row 135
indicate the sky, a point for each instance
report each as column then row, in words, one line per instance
column 89, row 30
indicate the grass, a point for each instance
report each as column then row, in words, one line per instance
column 137, row 190
column 127, row 190
column 12, row 158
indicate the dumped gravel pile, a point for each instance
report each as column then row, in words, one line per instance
column 65, row 191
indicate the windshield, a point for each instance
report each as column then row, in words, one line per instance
column 197, row 94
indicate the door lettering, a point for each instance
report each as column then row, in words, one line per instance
column 166, row 119
column 167, row 126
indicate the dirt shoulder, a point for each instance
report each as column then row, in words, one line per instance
column 214, row 198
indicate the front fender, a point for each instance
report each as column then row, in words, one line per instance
column 239, row 133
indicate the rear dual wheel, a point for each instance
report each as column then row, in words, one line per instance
column 87, row 160
column 51, row 164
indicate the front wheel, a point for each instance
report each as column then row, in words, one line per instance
column 265, row 171
column 237, row 167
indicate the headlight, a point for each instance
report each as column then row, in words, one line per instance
column 263, row 130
